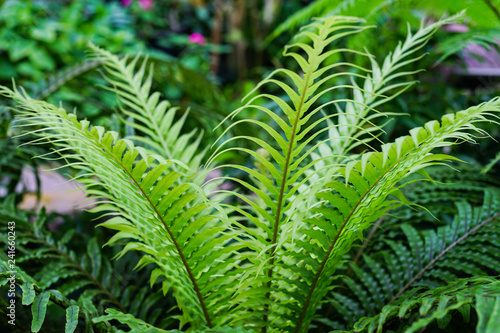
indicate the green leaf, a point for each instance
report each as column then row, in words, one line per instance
column 38, row 310
column 488, row 312
column 28, row 293
column 71, row 318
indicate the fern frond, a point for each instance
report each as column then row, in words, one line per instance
column 427, row 306
column 379, row 89
column 468, row 246
column 38, row 298
column 151, row 116
column 139, row 189
column 279, row 218
column 51, row 260
column 289, row 149
column 47, row 87
column 356, row 202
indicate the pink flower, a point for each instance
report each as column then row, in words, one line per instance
column 197, row 38
column 144, row 4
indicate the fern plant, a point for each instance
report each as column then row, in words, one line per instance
column 261, row 257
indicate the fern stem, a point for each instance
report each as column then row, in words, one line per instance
column 448, row 249
column 323, row 264
column 367, row 240
column 327, row 255
column 172, row 237
column 83, row 270
column 58, row 81
column 282, row 192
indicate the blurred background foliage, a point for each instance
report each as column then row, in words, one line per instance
column 207, row 55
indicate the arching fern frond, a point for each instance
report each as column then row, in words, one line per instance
column 138, row 190
column 153, row 117
column 424, row 307
column 467, row 247
column 381, row 86
column 288, row 151
column 362, row 197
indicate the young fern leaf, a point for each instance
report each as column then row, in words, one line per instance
column 376, row 90
column 353, row 204
column 289, row 150
column 151, row 115
column 188, row 247
column 380, row 87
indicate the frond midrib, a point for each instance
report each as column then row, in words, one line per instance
column 330, row 249
column 145, row 107
column 174, row 240
column 442, row 254
column 81, row 269
column 283, row 183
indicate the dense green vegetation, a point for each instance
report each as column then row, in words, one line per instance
column 345, row 182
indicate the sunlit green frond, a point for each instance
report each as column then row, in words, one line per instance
column 370, row 187
column 283, row 160
column 139, row 191
column 381, row 86
column 149, row 114
column 467, row 247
